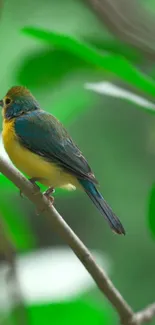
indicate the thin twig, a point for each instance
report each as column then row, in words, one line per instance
column 145, row 315
column 124, row 311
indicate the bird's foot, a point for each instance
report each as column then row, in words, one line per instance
column 33, row 180
column 50, row 198
column 48, row 193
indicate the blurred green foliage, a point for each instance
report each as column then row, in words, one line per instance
column 151, row 211
column 114, row 64
column 67, row 46
column 82, row 312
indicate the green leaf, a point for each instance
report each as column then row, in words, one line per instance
column 151, row 211
column 114, row 64
column 116, row 47
column 77, row 312
column 47, row 68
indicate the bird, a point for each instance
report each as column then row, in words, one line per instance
column 39, row 146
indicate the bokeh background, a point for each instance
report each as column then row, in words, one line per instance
column 118, row 139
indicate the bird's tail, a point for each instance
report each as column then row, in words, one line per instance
column 102, row 206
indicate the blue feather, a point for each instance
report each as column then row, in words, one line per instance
column 102, row 206
column 42, row 134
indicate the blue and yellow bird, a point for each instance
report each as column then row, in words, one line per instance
column 38, row 145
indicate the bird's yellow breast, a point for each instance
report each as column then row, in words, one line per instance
column 31, row 164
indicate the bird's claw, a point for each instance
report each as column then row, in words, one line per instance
column 37, row 188
column 50, row 198
column 48, row 193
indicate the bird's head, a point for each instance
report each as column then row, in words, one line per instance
column 18, row 101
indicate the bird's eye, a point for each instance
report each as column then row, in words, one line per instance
column 7, row 101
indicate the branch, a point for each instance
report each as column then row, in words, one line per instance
column 145, row 315
column 129, row 21
column 124, row 311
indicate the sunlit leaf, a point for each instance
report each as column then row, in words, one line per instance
column 107, row 88
column 78, row 311
column 64, row 296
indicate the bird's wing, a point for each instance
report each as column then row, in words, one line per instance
column 44, row 135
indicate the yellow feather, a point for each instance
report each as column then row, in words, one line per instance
column 32, row 164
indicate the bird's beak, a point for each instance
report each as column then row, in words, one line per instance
column 1, row 102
